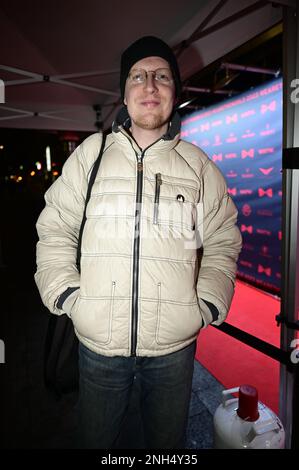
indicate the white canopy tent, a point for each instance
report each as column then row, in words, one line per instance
column 60, row 59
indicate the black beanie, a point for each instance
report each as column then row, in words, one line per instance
column 148, row 46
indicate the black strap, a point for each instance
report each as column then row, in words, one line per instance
column 89, row 188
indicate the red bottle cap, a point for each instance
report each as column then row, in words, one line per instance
column 248, row 403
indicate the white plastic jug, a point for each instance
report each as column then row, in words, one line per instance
column 246, row 423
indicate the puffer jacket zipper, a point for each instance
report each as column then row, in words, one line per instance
column 137, row 247
column 136, row 253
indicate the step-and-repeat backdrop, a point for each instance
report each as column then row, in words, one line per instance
column 243, row 136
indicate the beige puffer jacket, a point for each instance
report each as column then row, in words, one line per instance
column 142, row 280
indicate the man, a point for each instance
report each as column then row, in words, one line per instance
column 141, row 297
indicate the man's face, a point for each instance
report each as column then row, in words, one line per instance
column 149, row 104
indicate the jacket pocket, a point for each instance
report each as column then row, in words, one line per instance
column 176, row 322
column 175, row 201
column 93, row 317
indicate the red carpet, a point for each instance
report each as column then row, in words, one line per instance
column 233, row 363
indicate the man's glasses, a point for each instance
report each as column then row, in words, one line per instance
column 139, row 76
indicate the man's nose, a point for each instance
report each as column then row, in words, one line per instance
column 150, row 82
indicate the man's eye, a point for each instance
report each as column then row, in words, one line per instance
column 163, row 77
column 137, row 77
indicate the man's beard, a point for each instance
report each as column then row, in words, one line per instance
column 150, row 121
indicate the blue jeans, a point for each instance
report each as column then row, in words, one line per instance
column 105, row 389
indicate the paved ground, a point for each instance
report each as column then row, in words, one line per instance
column 30, row 417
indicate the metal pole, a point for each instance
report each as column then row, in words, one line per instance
column 247, row 68
column 290, row 223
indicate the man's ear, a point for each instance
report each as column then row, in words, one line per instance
column 125, row 101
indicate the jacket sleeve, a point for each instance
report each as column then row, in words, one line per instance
column 221, row 245
column 58, row 229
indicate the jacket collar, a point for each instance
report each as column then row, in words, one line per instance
column 121, row 133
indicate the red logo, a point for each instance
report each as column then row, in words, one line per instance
column 246, row 210
column 231, row 138
column 248, row 134
column 248, row 113
column 262, row 270
column 265, row 251
column 247, row 228
column 265, row 213
column 231, row 174
column 247, row 174
column 268, row 130
column 268, row 107
column 231, row 155
column 217, row 140
column 232, row 118
column 245, row 191
column 247, row 153
column 266, row 171
column 205, row 127
column 216, row 157
column 263, row 231
column 232, row 191
column 247, row 264
column 268, row 192
column 266, row 150
column 217, row 123
column 248, row 247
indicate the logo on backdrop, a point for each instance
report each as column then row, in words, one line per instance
column 265, row 192
column 246, row 228
column 246, row 210
column 247, row 153
column 243, row 137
